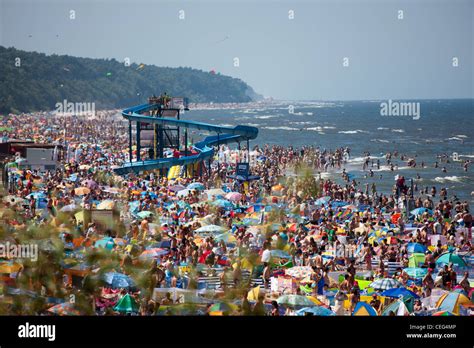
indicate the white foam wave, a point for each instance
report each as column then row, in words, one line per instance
column 453, row 178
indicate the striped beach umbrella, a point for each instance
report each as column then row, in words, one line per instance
column 385, row 284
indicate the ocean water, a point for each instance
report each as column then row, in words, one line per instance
column 444, row 127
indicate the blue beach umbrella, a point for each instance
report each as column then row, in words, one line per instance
column 416, row 248
column 397, row 292
column 316, row 310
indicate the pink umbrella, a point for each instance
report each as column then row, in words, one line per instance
column 233, row 196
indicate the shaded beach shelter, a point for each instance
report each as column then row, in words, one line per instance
column 316, row 310
column 420, row 211
column 399, row 292
column 69, row 207
column 214, row 192
column 222, row 203
column 126, row 304
column 322, row 200
column 277, row 253
column 106, row 243
column 107, row 204
column 233, row 196
column 65, row 308
column 416, row 272
column 176, row 188
column 210, row 229
column 364, row 309
column 154, row 253
column 451, row 257
column 295, row 301
column 451, row 301
column 416, row 248
column 36, row 195
column 431, row 301
column 81, row 191
column 385, row 284
column 196, row 186
column 227, row 237
column 183, row 193
column 118, row 280
column 416, row 260
column 405, row 302
column 144, row 214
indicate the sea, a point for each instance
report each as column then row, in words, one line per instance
column 442, row 127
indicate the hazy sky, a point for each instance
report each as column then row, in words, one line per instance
column 300, row 58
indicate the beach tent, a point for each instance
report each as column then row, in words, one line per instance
column 416, row 260
column 364, row 309
column 451, row 301
column 126, row 304
column 408, row 302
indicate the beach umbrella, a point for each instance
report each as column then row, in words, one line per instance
column 36, row 195
column 154, row 253
column 222, row 203
column 176, row 188
column 81, row 191
column 295, row 300
column 322, row 200
column 69, row 208
column 120, row 241
column 126, row 304
column 144, row 214
column 118, row 280
column 66, row 308
column 451, row 257
column 416, row 248
column 196, row 186
column 214, row 192
column 227, row 237
column 152, row 195
column 210, row 229
column 416, row 272
column 107, row 204
column 420, row 211
column 316, row 310
column 14, row 200
column 113, row 190
column 106, row 243
column 280, row 254
column 451, row 301
column 233, row 196
column 184, row 193
column 299, row 272
column 399, row 292
column 364, row 309
column 385, row 284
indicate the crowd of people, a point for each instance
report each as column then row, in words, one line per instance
column 288, row 243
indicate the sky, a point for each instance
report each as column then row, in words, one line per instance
column 296, row 55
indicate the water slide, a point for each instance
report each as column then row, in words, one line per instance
column 225, row 135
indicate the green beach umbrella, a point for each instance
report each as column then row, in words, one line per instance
column 453, row 258
column 127, row 304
